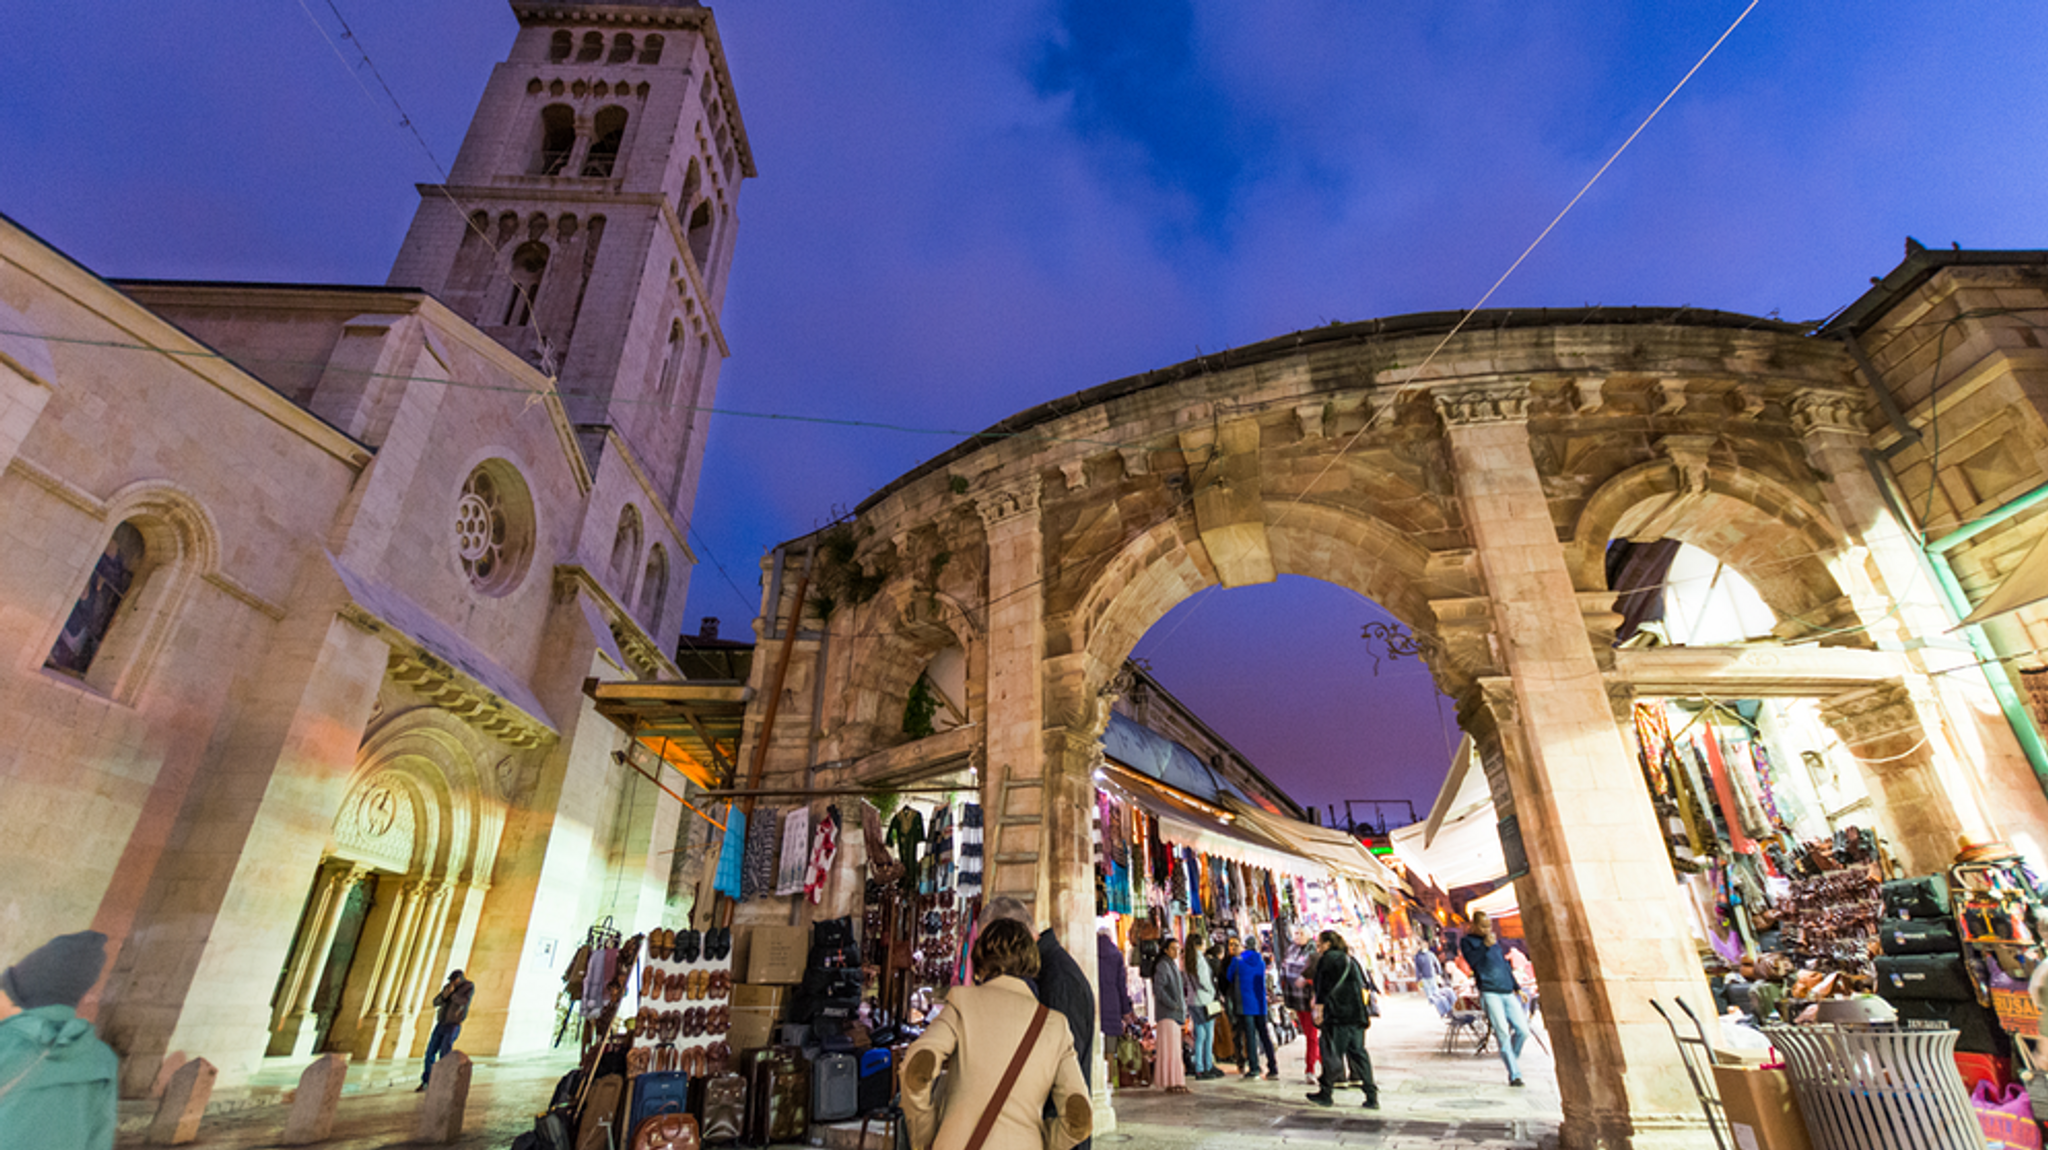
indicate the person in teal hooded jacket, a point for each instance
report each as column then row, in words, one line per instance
column 56, row 1076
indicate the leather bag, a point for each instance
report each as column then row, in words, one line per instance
column 671, row 1130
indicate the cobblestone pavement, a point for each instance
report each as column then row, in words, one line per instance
column 1428, row 1097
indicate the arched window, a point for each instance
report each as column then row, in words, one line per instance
column 609, row 130
column 529, row 263
column 593, row 47
column 113, row 582
column 622, row 49
column 654, row 587
column 700, row 236
column 671, row 364
column 625, row 549
column 560, row 47
column 650, row 49
column 557, row 139
column 693, row 179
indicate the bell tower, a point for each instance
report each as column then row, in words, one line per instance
column 588, row 221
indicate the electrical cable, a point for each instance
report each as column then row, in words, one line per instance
column 1412, row 385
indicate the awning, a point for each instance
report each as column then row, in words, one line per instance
column 691, row 725
column 1189, row 822
column 1499, row 904
column 1459, row 844
column 2026, row 584
column 1333, row 848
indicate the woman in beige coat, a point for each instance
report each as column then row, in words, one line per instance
column 974, row 1038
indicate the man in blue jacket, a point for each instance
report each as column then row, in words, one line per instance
column 56, row 1076
column 1499, row 994
column 1244, row 979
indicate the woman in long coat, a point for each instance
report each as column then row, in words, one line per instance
column 1201, row 1019
column 1169, row 1014
column 974, row 1040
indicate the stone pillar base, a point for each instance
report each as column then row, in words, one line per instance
column 294, row 1037
column 1098, row 1073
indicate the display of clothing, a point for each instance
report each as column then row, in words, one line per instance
column 970, row 850
column 757, row 868
column 795, row 856
column 824, row 848
column 906, row 838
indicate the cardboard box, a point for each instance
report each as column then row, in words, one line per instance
column 776, row 954
column 752, row 1028
column 749, row 994
column 1762, row 1114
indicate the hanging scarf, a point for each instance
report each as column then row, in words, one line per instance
column 824, row 848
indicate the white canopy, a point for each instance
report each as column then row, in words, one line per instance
column 1458, row 845
column 2027, row 583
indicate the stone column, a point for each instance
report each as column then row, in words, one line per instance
column 292, row 1033
column 1881, row 727
column 422, row 974
column 1013, row 791
column 1599, row 901
column 1972, row 764
column 372, row 1031
column 1073, row 753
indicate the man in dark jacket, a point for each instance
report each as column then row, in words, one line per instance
column 56, row 1076
column 1498, row 992
column 1342, row 992
column 1244, row 981
column 451, row 1009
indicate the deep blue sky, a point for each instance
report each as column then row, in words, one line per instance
column 965, row 210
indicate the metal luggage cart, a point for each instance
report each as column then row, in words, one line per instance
column 1698, row 1055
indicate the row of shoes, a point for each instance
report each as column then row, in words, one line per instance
column 669, row 1025
column 658, row 985
column 695, row 1061
column 667, row 945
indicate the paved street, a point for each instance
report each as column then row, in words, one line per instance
column 1427, row 1098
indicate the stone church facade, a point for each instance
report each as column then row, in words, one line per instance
column 301, row 585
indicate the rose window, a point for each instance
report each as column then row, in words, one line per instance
column 493, row 527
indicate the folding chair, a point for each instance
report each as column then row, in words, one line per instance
column 1464, row 1024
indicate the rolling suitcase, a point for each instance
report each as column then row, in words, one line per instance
column 1941, row 977
column 835, row 1087
column 724, row 1118
column 1902, row 936
column 877, row 1080
column 778, row 1096
column 657, row 1092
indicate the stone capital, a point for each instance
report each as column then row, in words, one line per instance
column 1010, row 501
column 1816, row 412
column 1490, row 403
column 1871, row 713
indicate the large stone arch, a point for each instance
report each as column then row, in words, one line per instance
column 1473, row 501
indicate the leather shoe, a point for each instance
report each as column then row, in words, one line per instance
column 1322, row 1099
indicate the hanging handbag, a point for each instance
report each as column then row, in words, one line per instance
column 995, row 1101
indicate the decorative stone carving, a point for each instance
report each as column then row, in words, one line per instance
column 1076, row 473
column 458, row 694
column 1688, row 453
column 1673, row 393
column 377, row 824
column 1310, row 417
column 1870, row 714
column 1137, row 461
column 1005, row 503
column 1751, row 400
column 1592, row 394
column 1493, row 403
column 1818, row 411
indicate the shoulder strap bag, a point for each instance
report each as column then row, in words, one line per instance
column 995, row 1102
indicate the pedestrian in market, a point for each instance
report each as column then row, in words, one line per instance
column 56, row 1077
column 1060, row 985
column 1495, row 979
column 1245, row 982
column 977, row 1040
column 451, row 1009
column 1113, row 985
column 1203, row 1008
column 1169, row 1015
column 1297, row 987
column 1428, row 971
column 1343, row 996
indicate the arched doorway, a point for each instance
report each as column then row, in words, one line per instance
column 404, row 874
column 1474, row 504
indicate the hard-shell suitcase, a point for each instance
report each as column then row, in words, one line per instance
column 778, row 1096
column 1941, row 977
column 835, row 1087
column 659, row 1091
column 598, row 1128
column 1923, row 896
column 1902, row 936
column 877, row 1080
column 724, row 1118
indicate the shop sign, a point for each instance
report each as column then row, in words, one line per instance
column 1512, row 852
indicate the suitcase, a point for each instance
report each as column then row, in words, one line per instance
column 835, row 1087
column 659, row 1091
column 598, row 1129
column 1903, row 936
column 724, row 1116
column 1941, row 977
column 877, row 1080
column 778, row 1096
column 1977, row 1028
column 1924, row 896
